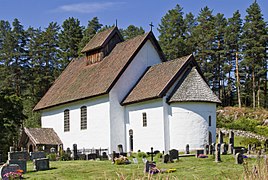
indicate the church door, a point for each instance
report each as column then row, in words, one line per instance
column 131, row 140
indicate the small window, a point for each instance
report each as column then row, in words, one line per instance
column 83, row 117
column 66, row 120
column 144, row 119
column 209, row 120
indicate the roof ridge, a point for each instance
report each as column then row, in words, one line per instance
column 173, row 60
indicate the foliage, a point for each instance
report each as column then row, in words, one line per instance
column 142, row 155
column 247, row 141
column 243, row 124
column 52, row 156
column 131, row 32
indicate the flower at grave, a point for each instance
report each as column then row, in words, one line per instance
column 14, row 175
column 171, row 170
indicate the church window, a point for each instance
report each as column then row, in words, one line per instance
column 209, row 120
column 66, row 120
column 144, row 119
column 83, row 117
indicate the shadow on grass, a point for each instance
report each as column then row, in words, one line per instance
column 33, row 171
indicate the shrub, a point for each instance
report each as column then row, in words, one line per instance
column 243, row 124
column 52, row 157
column 142, row 154
column 247, row 141
column 262, row 130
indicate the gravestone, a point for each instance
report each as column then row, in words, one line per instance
column 206, row 150
column 211, row 149
column 37, row 155
column 166, row 158
column 144, row 160
column 104, row 156
column 92, row 156
column 41, row 164
column 231, row 137
column 218, row 153
column 75, row 152
column 174, row 154
column 18, row 158
column 115, row 155
column 187, row 149
column 249, row 148
column 147, row 167
column 224, row 149
column 198, row 152
column 220, row 138
column 152, row 154
column 135, row 161
column 239, row 158
column 120, row 148
column 7, row 168
column 230, row 148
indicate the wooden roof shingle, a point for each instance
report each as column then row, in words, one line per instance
column 43, row 136
column 81, row 80
column 194, row 89
column 156, row 80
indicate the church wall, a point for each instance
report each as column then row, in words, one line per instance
column 189, row 124
column 98, row 125
column 147, row 56
column 153, row 134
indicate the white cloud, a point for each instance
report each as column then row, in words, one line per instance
column 88, row 7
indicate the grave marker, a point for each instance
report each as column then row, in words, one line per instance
column 198, row 152
column 206, row 150
column 231, row 137
column 218, row 153
column 166, row 158
column 220, row 138
column 75, row 151
column 230, row 148
column 239, row 158
column 41, row 164
column 223, row 149
column 7, row 168
column 37, row 155
column 187, row 149
column 174, row 154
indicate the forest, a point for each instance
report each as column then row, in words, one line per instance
column 231, row 51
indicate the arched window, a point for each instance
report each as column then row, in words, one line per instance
column 144, row 119
column 209, row 120
column 83, row 117
column 66, row 120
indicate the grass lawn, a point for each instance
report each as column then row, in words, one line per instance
column 186, row 168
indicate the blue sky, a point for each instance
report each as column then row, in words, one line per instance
column 37, row 13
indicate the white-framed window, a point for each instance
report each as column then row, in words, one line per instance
column 83, row 117
column 144, row 119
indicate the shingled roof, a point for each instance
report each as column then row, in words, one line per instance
column 81, row 80
column 100, row 39
column 194, row 89
column 44, row 136
column 156, row 80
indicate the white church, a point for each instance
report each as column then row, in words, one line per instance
column 126, row 93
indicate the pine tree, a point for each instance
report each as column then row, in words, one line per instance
column 190, row 24
column 254, row 42
column 92, row 28
column 69, row 39
column 172, row 33
column 232, row 50
column 131, row 32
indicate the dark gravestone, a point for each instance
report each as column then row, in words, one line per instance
column 187, row 149
column 231, row 137
column 91, row 156
column 21, row 163
column 115, row 155
column 220, row 138
column 224, row 148
column 104, row 156
column 198, row 152
column 75, row 151
column 152, row 154
column 166, row 158
column 206, row 149
column 7, row 168
column 239, row 158
column 211, row 149
column 174, row 154
column 249, row 148
column 41, row 164
column 218, row 153
column 147, row 167
column 37, row 155
column 18, row 158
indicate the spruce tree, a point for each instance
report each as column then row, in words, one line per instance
column 69, row 39
column 131, row 32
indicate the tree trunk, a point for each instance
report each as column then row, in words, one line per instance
column 237, row 81
column 253, row 90
column 258, row 94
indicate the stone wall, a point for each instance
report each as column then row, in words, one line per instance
column 242, row 133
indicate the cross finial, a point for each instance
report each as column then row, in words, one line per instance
column 116, row 23
column 151, row 24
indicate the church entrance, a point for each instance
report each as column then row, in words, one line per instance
column 131, row 140
column 209, row 138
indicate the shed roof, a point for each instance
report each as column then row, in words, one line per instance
column 193, row 88
column 44, row 136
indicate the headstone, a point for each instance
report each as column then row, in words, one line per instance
column 7, row 168
column 152, row 154
column 147, row 167
column 231, row 137
column 198, row 152
column 220, row 140
column 68, row 152
column 75, row 151
column 187, row 149
column 37, row 155
column 18, row 155
column 230, row 149
column 206, row 150
column 224, row 149
column 135, row 161
column 218, row 153
column 210, row 149
column 239, row 158
column 120, row 148
column 104, row 156
column 166, row 158
column 249, row 148
column 174, row 154
column 41, row 164
column 18, row 158
column 92, row 156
